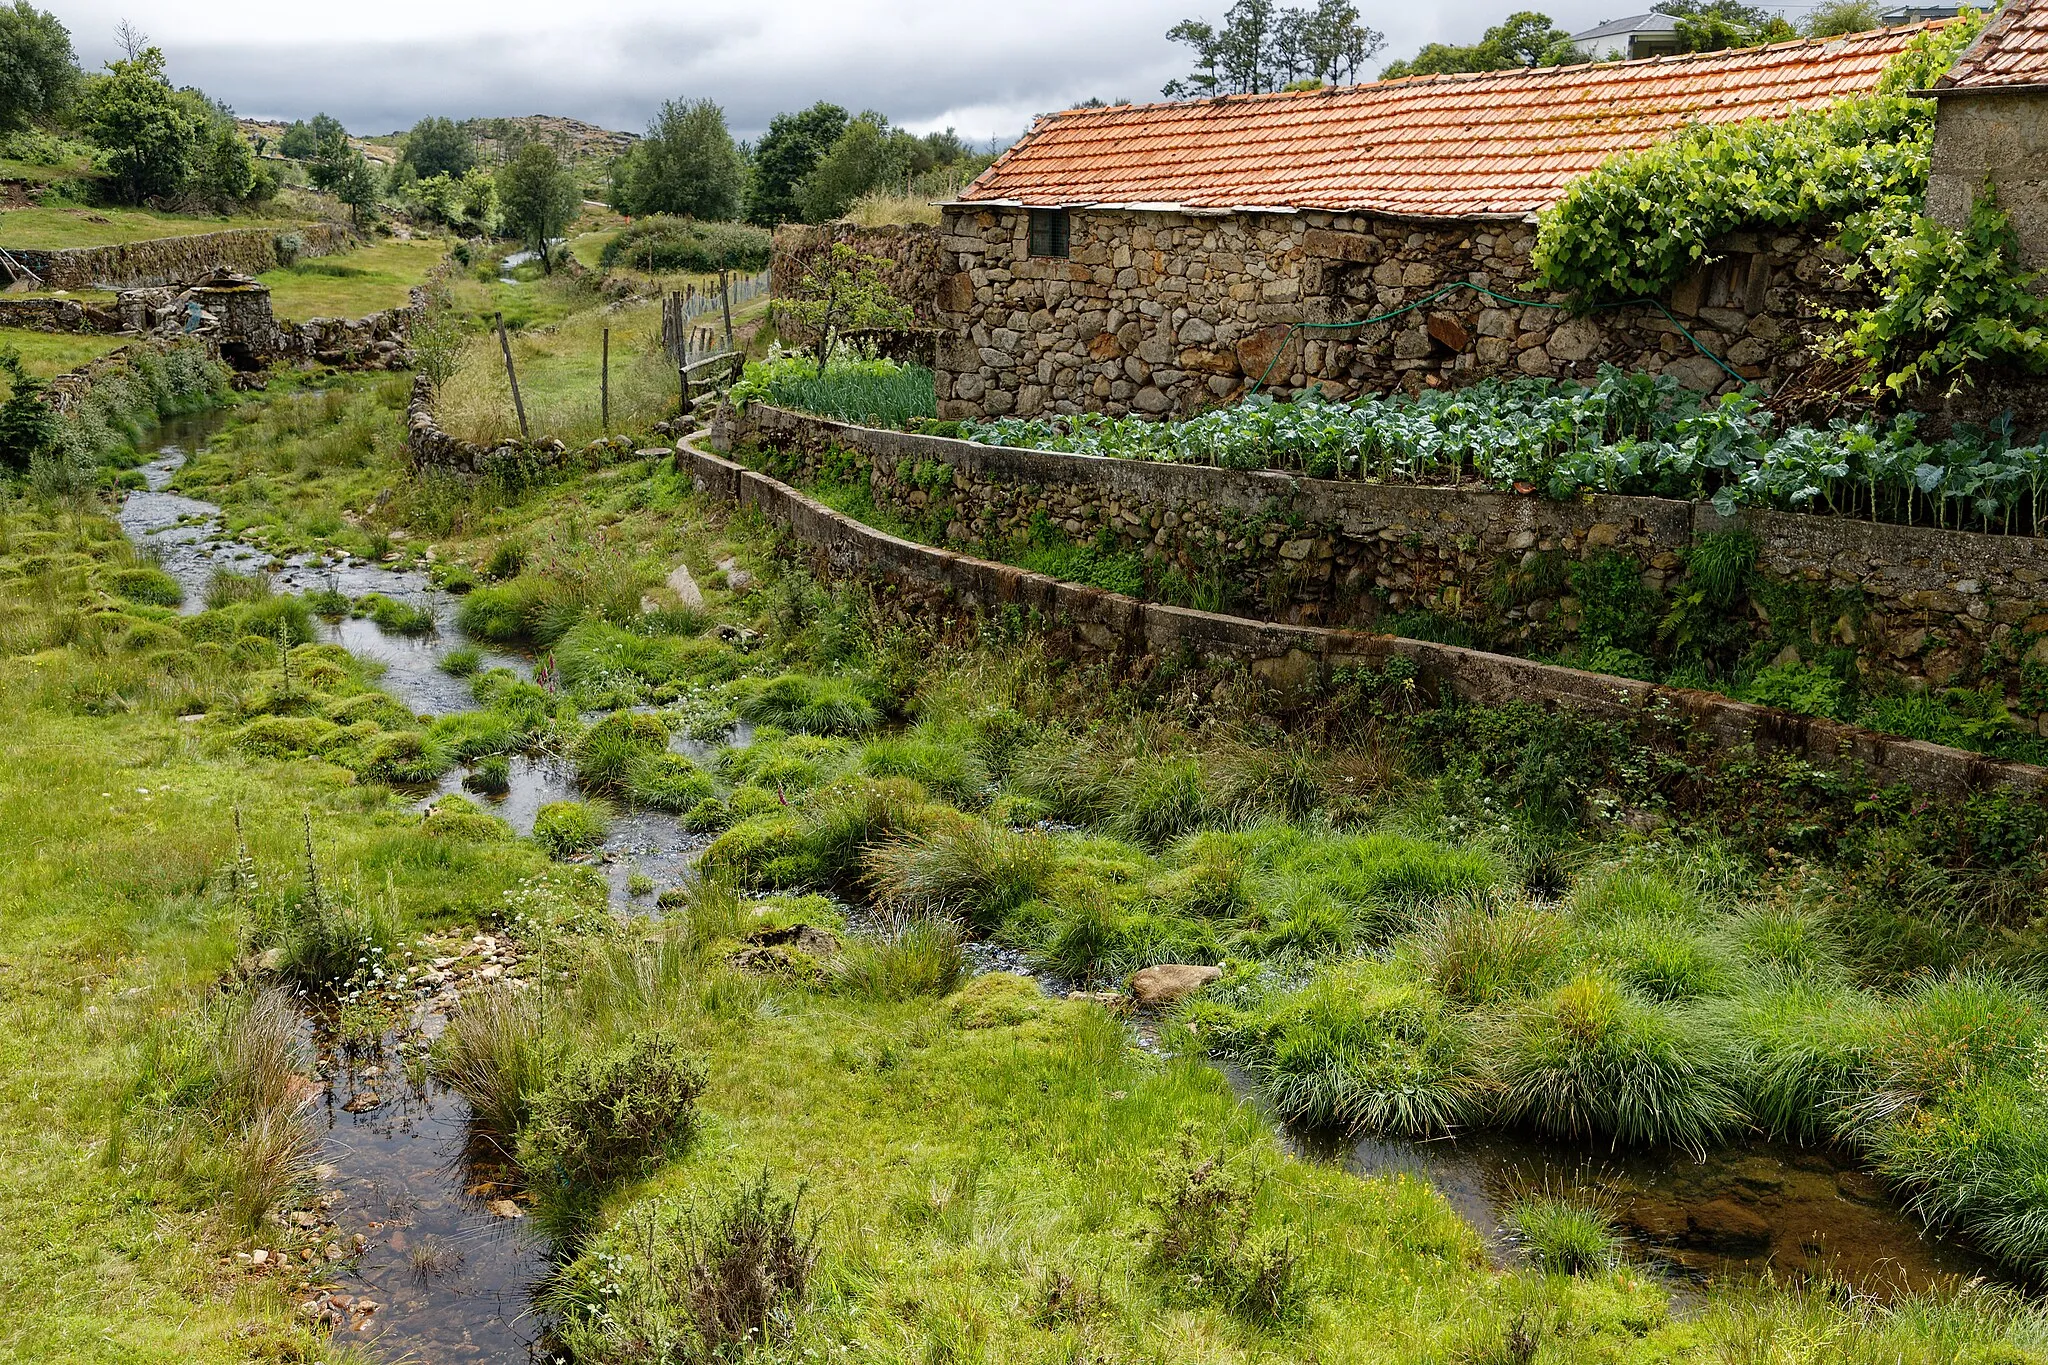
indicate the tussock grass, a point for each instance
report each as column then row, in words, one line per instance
column 1563, row 1235
column 809, row 704
column 913, row 955
column 497, row 1054
column 1590, row 1060
column 979, row 871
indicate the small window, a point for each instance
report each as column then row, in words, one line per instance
column 1048, row 232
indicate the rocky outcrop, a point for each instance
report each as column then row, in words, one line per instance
column 1294, row 661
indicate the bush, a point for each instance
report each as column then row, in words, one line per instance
column 1205, row 1241
column 914, row 956
column 566, row 828
column 150, row 587
column 1590, row 1060
column 613, row 1115
column 666, row 1272
column 662, row 243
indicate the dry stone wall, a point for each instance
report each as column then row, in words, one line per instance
column 1296, row 659
column 1921, row 603
column 177, row 260
column 58, row 315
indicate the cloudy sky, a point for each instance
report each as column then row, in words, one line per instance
column 982, row 67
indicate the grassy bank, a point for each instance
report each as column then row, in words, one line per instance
column 56, row 229
column 1472, row 917
column 48, row 354
column 356, row 283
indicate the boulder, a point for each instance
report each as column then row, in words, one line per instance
column 1169, row 981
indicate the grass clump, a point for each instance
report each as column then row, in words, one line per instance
column 463, row 662
column 809, row 703
column 980, row 871
column 609, row 750
column 1564, row 1236
column 1591, row 1060
column 913, row 956
column 1362, row 1049
column 495, row 1053
column 393, row 615
column 491, row 776
column 1479, row 953
column 670, row 782
column 148, row 587
column 564, row 829
column 997, row 1000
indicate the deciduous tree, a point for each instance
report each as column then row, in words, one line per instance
column 538, row 198
column 687, row 165
column 1265, row 46
column 787, row 152
column 438, row 146
column 1522, row 39
column 38, row 73
column 149, row 133
column 843, row 290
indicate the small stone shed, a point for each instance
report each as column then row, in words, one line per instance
column 1991, row 127
column 1155, row 258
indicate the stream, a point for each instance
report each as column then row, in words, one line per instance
column 453, row 1279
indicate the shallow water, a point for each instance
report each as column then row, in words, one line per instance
column 455, row 1280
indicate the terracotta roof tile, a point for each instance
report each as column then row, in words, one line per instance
column 1493, row 143
column 2012, row 50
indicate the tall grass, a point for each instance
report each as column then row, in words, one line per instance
column 559, row 371
column 980, row 871
column 497, row 1054
column 913, row 955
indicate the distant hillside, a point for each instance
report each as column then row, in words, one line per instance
column 583, row 142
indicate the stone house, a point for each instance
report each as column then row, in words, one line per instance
column 1163, row 258
column 1991, row 127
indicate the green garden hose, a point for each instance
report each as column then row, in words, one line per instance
column 1438, row 293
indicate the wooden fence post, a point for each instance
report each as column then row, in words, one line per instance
column 604, row 390
column 518, row 404
column 725, row 298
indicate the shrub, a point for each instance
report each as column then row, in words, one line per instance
column 1205, row 1241
column 663, row 243
column 723, row 1283
column 1562, row 1235
column 495, row 1054
column 1590, row 1060
column 151, row 587
column 913, row 956
column 614, row 1114
column 1361, row 1050
column 566, row 828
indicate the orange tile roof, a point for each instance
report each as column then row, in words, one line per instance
column 2012, row 50
column 1498, row 143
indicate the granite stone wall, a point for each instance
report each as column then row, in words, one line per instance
column 1922, row 603
column 58, row 315
column 176, row 260
column 1295, row 660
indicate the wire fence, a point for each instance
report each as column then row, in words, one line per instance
column 697, row 323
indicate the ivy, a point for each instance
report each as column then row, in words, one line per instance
column 1644, row 221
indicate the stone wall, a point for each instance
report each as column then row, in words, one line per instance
column 1168, row 313
column 176, row 260
column 1999, row 136
column 919, row 268
column 1295, row 659
column 58, row 315
column 1928, row 603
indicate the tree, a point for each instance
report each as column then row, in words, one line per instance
column 298, row 141
column 333, row 156
column 1713, row 25
column 858, row 161
column 1264, row 46
column 792, row 146
column 437, row 146
column 353, row 182
column 1522, row 39
column 38, row 73
column 843, row 290
column 151, row 135
column 1841, row 16
column 27, row 426
column 537, row 197
column 223, row 169
column 687, row 164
